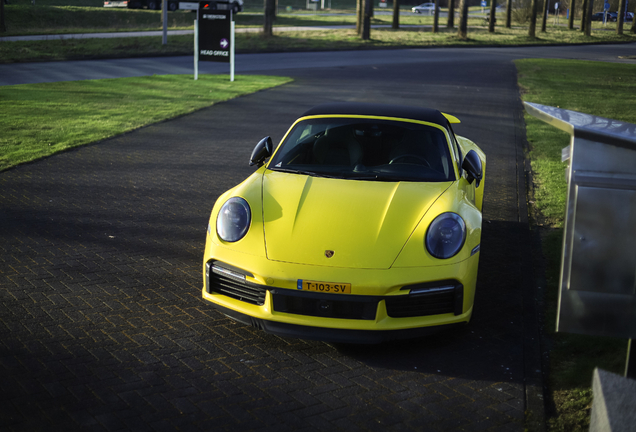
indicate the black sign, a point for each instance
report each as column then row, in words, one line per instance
column 214, row 34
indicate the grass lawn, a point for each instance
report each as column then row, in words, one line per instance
column 315, row 40
column 603, row 89
column 24, row 19
column 42, row 119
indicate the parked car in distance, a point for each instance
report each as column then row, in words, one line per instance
column 424, row 7
column 598, row 16
column 116, row 3
column 173, row 5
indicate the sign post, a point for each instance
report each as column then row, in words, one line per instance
column 214, row 37
column 196, row 49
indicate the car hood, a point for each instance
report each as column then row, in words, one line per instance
column 364, row 223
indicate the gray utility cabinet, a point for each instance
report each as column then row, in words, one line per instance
column 598, row 263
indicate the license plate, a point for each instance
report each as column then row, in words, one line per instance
column 324, row 287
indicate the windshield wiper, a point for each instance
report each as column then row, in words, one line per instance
column 384, row 177
column 309, row 173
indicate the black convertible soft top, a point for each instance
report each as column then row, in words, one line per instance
column 367, row 109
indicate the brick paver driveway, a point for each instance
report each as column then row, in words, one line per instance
column 102, row 326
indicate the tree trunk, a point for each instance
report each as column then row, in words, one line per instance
column 544, row 19
column 360, row 15
column 396, row 15
column 3, row 26
column 270, row 14
column 633, row 29
column 583, row 12
column 571, row 17
column 588, row 18
column 509, row 14
column 451, row 14
column 436, row 17
column 532, row 28
column 366, row 21
column 462, row 29
column 491, row 17
column 621, row 17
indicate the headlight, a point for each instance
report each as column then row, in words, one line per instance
column 233, row 220
column 446, row 235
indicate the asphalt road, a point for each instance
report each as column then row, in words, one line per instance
column 23, row 73
column 102, row 326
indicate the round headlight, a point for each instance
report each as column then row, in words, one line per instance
column 446, row 235
column 233, row 220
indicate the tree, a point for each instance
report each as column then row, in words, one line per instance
column 571, row 18
column 633, row 29
column 509, row 13
column 451, row 14
column 462, row 29
column 583, row 12
column 359, row 16
column 396, row 15
column 588, row 18
column 491, row 17
column 544, row 19
column 532, row 28
column 270, row 15
column 621, row 17
column 436, row 17
column 3, row 27
column 366, row 21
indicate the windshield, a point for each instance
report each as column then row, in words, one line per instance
column 365, row 149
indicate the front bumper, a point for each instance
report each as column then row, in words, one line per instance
column 337, row 335
column 383, row 305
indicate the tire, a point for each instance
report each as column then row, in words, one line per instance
column 173, row 6
column 154, row 5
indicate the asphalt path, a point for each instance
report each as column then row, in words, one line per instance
column 102, row 325
column 23, row 73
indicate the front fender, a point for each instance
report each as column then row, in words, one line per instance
column 415, row 254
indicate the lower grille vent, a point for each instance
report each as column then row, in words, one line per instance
column 425, row 301
column 325, row 305
column 230, row 281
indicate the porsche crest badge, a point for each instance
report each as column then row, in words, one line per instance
column 329, row 253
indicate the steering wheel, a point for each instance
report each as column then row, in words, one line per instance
column 410, row 155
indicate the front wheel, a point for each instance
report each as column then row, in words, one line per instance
column 154, row 5
column 173, row 6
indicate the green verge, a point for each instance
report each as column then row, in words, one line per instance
column 603, row 89
column 42, row 119
column 293, row 41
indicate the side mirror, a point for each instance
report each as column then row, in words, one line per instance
column 472, row 166
column 262, row 151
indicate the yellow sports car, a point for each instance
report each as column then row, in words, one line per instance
column 363, row 225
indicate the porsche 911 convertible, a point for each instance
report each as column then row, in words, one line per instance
column 362, row 226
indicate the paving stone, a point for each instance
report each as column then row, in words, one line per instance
column 112, row 333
